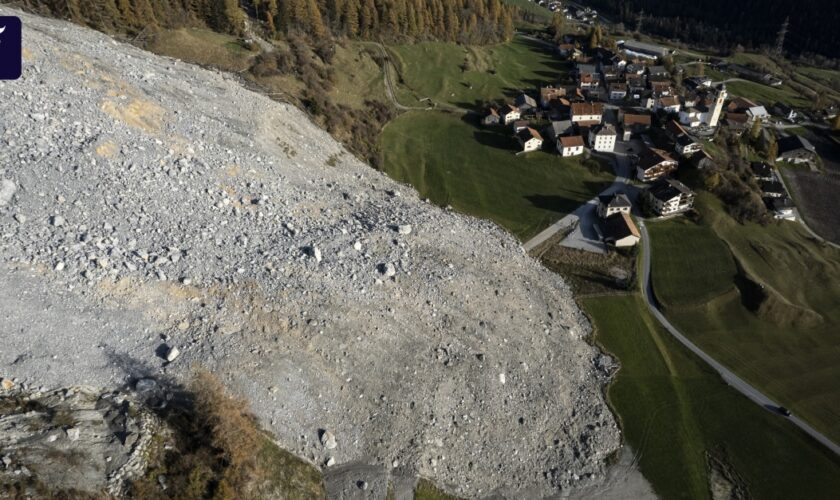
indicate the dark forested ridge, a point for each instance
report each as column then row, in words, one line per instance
column 726, row 23
column 464, row 21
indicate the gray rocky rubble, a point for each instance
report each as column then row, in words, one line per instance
column 151, row 194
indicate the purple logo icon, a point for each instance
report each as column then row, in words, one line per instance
column 10, row 48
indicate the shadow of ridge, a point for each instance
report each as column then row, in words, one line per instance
column 499, row 139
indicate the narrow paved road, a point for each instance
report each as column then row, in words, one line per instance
column 736, row 382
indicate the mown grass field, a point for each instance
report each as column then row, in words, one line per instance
column 711, row 267
column 526, row 6
column 468, row 76
column 675, row 413
column 451, row 161
column 777, row 326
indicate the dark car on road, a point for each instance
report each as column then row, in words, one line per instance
column 783, row 411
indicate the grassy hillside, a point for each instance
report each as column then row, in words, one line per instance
column 680, row 417
column 452, row 161
column 463, row 76
column 527, row 7
column 778, row 324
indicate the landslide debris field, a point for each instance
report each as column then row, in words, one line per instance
column 152, row 210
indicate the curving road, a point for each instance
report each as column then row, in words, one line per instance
column 733, row 380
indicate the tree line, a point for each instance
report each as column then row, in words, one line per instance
column 463, row 21
column 720, row 23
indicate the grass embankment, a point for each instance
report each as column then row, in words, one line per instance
column 528, row 7
column 676, row 414
column 203, row 46
column 451, row 161
column 468, row 76
column 776, row 322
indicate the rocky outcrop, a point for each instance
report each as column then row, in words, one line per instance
column 72, row 439
column 160, row 208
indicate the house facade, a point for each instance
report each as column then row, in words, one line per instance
column 585, row 113
column 602, row 139
column 510, row 114
column 654, row 164
column 613, row 204
column 529, row 139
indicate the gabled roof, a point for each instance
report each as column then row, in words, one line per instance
column 606, row 129
column 653, row 157
column 761, row 169
column 668, row 189
column 669, row 101
column 675, row 128
column 685, row 140
column 510, row 108
column 619, row 200
column 526, row 134
column 619, row 226
column 586, row 108
column 793, row 143
column 561, row 127
column 493, row 111
column 632, row 119
column 571, row 142
column 525, row 99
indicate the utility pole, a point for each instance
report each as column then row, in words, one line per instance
column 780, row 37
column 639, row 21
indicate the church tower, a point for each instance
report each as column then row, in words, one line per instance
column 718, row 109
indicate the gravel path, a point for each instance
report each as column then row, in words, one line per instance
column 149, row 205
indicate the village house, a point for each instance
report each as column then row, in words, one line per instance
column 634, row 124
column 669, row 196
column 658, row 73
column 530, row 139
column 610, row 73
column 737, row 123
column 602, row 138
column 740, row 105
column 550, row 94
column 654, row 164
column 492, row 117
column 698, row 82
column 772, row 189
column 525, row 103
column 571, row 146
column 782, row 208
column 613, row 204
column 701, row 160
column 520, row 124
column 757, row 113
column 686, row 146
column 620, row 231
column 618, row 91
column 510, row 114
column 636, row 85
column 796, row 149
column 559, row 128
column 635, row 69
column 661, row 89
column 762, row 171
column 642, row 49
column 669, row 104
column 785, row 111
column 586, row 114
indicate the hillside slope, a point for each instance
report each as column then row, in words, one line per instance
column 156, row 205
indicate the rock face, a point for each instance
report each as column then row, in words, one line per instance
column 73, row 438
column 171, row 195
